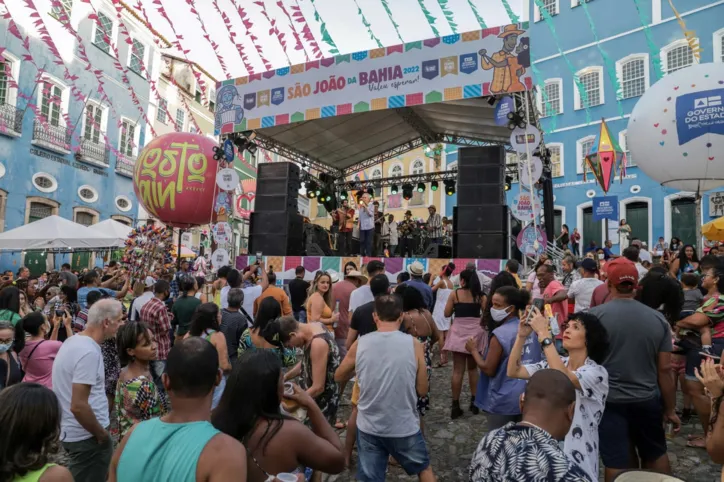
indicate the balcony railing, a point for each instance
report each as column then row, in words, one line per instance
column 51, row 137
column 94, row 152
column 11, row 119
column 124, row 165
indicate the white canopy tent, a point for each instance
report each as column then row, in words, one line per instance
column 56, row 233
column 111, row 227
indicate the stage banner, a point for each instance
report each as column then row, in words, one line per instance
column 332, row 264
column 473, row 64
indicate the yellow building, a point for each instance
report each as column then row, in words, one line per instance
column 410, row 163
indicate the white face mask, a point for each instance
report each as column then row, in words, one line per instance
column 499, row 315
column 600, row 256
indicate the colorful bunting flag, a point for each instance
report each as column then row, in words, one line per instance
column 299, row 45
column 430, row 19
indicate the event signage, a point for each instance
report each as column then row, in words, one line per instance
column 229, row 150
column 699, row 113
column 221, row 232
column 532, row 241
column 219, row 258
column 536, row 171
column 525, row 140
column 526, row 206
column 454, row 67
column 505, row 106
column 227, row 179
column 605, row 207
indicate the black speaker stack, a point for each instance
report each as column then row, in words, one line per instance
column 276, row 228
column 480, row 219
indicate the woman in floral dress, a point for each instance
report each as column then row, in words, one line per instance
column 137, row 398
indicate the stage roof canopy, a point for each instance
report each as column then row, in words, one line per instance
column 346, row 113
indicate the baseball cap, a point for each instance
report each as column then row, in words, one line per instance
column 621, row 271
column 588, row 264
column 149, row 282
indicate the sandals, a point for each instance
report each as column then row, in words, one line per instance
column 340, row 425
column 697, row 442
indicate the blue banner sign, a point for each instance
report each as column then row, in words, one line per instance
column 605, row 207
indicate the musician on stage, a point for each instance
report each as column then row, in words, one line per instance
column 407, row 229
column 390, row 235
column 434, row 226
column 344, row 219
column 366, row 224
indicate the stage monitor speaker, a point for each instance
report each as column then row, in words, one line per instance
column 476, row 174
column 276, row 233
column 480, row 245
column 313, row 249
column 316, row 241
column 473, row 156
column 480, row 195
column 482, row 219
column 438, row 251
column 277, row 187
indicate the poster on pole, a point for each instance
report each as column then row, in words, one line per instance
column 526, row 206
column 467, row 65
column 605, row 207
column 532, row 241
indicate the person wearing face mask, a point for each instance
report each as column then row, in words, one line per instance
column 12, row 341
column 39, row 353
column 586, row 341
column 529, row 450
column 497, row 394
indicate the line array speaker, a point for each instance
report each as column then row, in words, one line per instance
column 277, row 187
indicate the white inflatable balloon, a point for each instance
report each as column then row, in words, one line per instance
column 676, row 130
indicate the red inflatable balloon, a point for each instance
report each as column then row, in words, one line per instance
column 175, row 179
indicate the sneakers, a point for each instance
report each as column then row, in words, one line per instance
column 706, row 351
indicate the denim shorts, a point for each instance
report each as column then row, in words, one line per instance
column 374, row 452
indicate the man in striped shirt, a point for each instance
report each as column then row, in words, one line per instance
column 434, row 225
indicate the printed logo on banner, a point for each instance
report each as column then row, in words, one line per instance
column 250, row 101
column 469, row 63
column 228, row 108
column 527, row 238
column 263, row 97
column 449, row 66
column 430, row 69
column 277, row 95
column 699, row 113
column 229, row 150
column 504, row 107
column 605, row 207
column 526, row 206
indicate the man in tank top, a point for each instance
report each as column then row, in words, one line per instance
column 391, row 373
column 182, row 446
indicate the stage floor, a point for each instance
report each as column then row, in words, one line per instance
column 284, row 266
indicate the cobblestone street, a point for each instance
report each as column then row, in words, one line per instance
column 452, row 443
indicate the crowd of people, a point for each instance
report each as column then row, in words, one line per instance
column 238, row 378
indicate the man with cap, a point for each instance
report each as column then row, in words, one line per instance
column 139, row 302
column 581, row 289
column 641, row 390
column 434, row 225
column 417, row 271
column 406, row 231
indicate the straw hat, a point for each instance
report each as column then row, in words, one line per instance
column 358, row 276
column 510, row 30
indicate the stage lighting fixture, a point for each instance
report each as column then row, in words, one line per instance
column 394, row 189
column 450, row 187
column 433, row 186
column 343, row 195
column 311, row 188
column 407, row 191
column 508, row 180
column 251, row 135
column 371, row 191
column 251, row 147
column 491, row 100
column 420, row 187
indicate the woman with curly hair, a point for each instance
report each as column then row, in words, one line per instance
column 586, row 340
column 30, row 421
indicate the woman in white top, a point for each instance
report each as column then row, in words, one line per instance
column 586, row 340
column 441, row 289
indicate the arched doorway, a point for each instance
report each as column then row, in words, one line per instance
column 637, row 216
column 592, row 230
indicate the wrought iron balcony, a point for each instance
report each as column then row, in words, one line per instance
column 11, row 120
column 52, row 137
column 124, row 165
column 94, row 153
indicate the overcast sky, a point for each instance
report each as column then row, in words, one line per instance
column 340, row 16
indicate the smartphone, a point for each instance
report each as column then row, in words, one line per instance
column 258, row 256
column 538, row 303
column 59, row 313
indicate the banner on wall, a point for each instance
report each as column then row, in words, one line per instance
column 605, row 207
column 468, row 65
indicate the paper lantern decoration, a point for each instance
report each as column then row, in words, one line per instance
column 605, row 158
column 175, row 179
column 676, row 130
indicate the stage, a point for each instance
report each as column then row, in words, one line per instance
column 284, row 266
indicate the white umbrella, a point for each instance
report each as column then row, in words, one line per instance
column 55, row 232
column 112, row 228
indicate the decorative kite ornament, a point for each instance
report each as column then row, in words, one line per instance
column 605, row 158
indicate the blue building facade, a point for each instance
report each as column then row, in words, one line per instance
column 649, row 208
column 65, row 166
